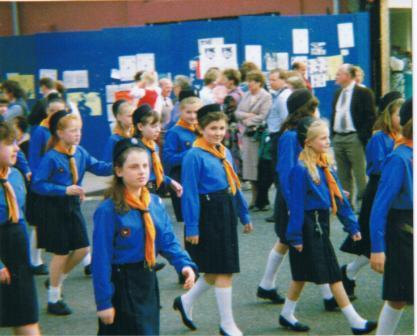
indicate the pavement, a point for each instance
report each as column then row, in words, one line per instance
column 253, row 316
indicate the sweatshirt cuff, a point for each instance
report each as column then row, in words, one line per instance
column 191, row 230
column 104, row 305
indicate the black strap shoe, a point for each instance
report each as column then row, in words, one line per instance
column 348, row 284
column 177, row 305
column 330, row 305
column 58, row 308
column 270, row 219
column 87, row 270
column 270, row 294
column 41, row 269
column 297, row 326
column 369, row 326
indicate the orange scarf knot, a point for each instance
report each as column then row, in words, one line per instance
column 331, row 182
column 45, row 122
column 10, row 195
column 141, row 203
column 219, row 152
column 192, row 128
column 158, row 169
column 70, row 154
column 404, row 141
column 123, row 133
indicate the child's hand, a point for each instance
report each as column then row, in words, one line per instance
column 193, row 240
column 75, row 190
column 378, row 262
column 299, row 248
column 29, row 176
column 347, row 193
column 248, row 228
column 189, row 276
column 107, row 315
column 176, row 187
column 357, row 236
column 5, row 277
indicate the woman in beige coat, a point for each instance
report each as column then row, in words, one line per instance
column 251, row 113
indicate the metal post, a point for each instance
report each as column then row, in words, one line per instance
column 15, row 18
column 336, row 6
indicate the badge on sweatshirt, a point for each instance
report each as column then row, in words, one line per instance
column 61, row 170
column 188, row 144
column 125, row 232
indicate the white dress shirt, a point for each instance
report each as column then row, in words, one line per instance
column 343, row 111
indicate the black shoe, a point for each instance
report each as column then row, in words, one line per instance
column 294, row 327
column 264, row 208
column 59, row 308
column 330, row 305
column 47, row 283
column 41, row 269
column 270, row 294
column 87, row 270
column 348, row 284
column 222, row 332
column 270, row 219
column 159, row 266
column 370, row 325
column 177, row 305
column 181, row 279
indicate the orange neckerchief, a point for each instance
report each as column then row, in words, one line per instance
column 331, row 182
column 10, row 195
column 186, row 125
column 220, row 152
column 142, row 204
column 120, row 131
column 156, row 161
column 404, row 141
column 45, row 122
column 395, row 136
column 70, row 154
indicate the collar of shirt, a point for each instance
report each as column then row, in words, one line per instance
column 350, row 87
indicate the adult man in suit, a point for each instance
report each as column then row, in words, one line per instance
column 351, row 124
column 38, row 113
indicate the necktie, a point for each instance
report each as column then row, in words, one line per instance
column 344, row 121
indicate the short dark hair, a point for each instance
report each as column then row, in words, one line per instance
column 21, row 123
column 138, row 76
column 47, row 82
column 257, row 76
column 233, row 75
column 210, row 117
column 14, row 88
column 7, row 132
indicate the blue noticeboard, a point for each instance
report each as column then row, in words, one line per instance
column 174, row 46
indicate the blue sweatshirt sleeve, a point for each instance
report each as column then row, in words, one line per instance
column 287, row 159
column 296, row 204
column 375, row 154
column 169, row 246
column 101, row 266
column 40, row 181
column 242, row 208
column 170, row 154
column 389, row 186
column 108, row 150
column 22, row 164
column 190, row 200
column 38, row 141
column 99, row 168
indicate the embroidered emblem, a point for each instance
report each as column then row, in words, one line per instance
column 125, row 232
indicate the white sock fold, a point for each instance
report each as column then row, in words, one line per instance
column 388, row 320
column 87, row 259
column 355, row 320
column 353, row 268
column 224, row 304
column 288, row 311
column 54, row 294
column 188, row 299
column 326, row 291
column 35, row 253
column 274, row 262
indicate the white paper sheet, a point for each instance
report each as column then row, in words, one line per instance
column 220, row 56
column 345, row 35
column 48, row 73
column 110, row 93
column 318, row 48
column 145, row 62
column 75, row 79
column 282, row 60
column 209, row 41
column 300, row 41
column 253, row 53
column 115, row 74
column 127, row 67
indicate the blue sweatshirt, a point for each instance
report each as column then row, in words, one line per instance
column 377, row 150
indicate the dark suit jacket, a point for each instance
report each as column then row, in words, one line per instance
column 362, row 110
column 38, row 112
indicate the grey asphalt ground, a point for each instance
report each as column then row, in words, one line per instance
column 253, row 316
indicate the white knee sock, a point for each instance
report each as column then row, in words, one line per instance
column 188, row 299
column 224, row 304
column 87, row 260
column 35, row 253
column 355, row 266
column 355, row 320
column 325, row 291
column 54, row 294
column 288, row 311
column 62, row 279
column 388, row 320
column 274, row 262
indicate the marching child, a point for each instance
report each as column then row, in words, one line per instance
column 58, row 180
column 314, row 190
column 211, row 203
column 130, row 228
column 16, row 278
column 178, row 140
column 392, row 228
column 387, row 131
column 122, row 111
